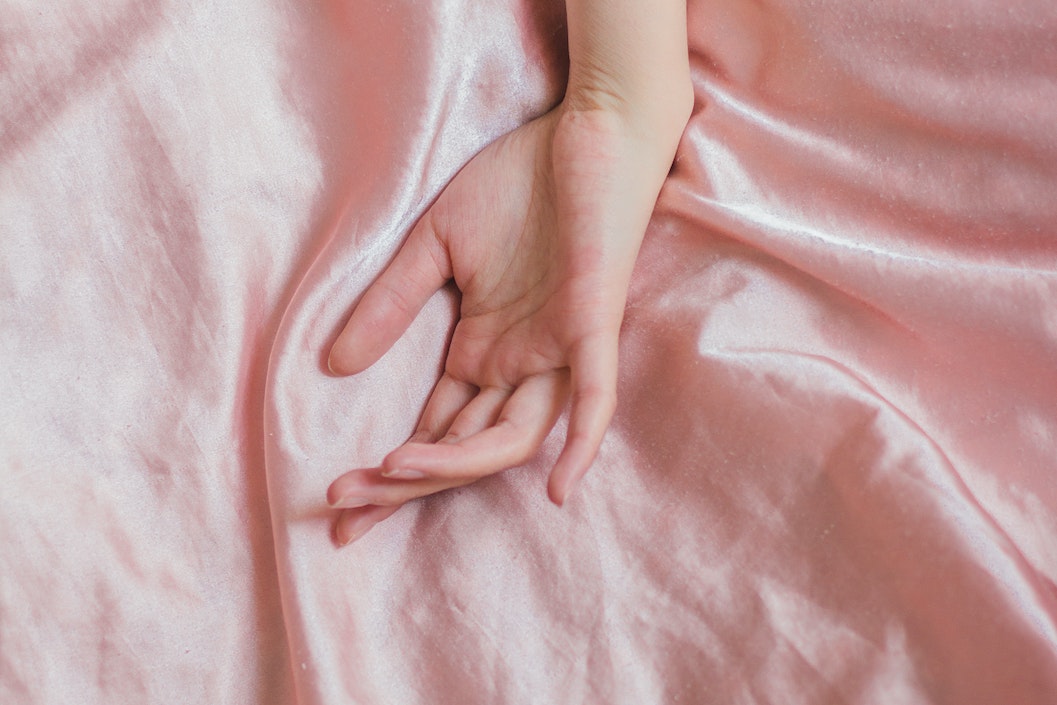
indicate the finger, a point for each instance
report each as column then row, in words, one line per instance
column 524, row 422
column 367, row 487
column 449, row 398
column 479, row 414
column 354, row 523
column 594, row 397
column 420, row 268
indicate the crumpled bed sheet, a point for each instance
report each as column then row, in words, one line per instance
column 831, row 476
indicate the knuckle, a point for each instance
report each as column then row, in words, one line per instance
column 397, row 298
column 604, row 397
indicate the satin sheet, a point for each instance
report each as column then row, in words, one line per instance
column 831, row 476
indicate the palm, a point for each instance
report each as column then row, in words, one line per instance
column 540, row 239
column 526, row 279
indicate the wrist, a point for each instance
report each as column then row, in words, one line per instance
column 630, row 58
column 657, row 112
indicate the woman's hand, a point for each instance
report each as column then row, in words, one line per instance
column 539, row 232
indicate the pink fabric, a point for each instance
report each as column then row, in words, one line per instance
column 831, row 477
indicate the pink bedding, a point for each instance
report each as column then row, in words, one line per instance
column 832, row 476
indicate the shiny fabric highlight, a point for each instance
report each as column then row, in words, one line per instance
column 831, row 475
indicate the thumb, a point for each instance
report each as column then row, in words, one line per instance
column 390, row 304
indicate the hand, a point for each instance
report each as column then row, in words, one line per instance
column 539, row 232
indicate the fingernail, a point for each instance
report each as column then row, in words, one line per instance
column 350, row 502
column 404, row 474
column 356, row 533
column 569, row 489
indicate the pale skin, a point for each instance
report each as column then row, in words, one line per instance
column 539, row 232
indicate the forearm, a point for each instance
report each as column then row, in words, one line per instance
column 630, row 57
